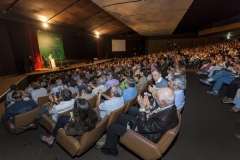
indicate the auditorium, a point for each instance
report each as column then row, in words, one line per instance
column 120, row 79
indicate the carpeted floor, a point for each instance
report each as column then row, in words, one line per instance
column 206, row 133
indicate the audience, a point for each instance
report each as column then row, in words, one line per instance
column 155, row 113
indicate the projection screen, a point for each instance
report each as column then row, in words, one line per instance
column 118, row 45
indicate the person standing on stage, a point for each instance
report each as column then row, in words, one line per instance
column 44, row 59
column 32, row 63
column 49, row 60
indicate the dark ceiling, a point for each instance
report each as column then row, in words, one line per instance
column 86, row 16
column 203, row 13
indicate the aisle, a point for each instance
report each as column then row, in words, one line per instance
column 208, row 128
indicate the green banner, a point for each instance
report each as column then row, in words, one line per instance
column 51, row 43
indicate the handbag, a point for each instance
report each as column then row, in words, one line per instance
column 70, row 130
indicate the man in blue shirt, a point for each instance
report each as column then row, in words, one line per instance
column 130, row 91
column 19, row 106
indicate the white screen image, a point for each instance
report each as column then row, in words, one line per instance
column 118, row 45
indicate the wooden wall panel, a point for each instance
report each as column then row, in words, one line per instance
column 155, row 44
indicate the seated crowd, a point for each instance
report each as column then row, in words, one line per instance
column 221, row 64
column 157, row 80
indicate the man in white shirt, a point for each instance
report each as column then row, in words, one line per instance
column 100, row 85
column 38, row 91
column 54, row 108
column 113, row 102
column 55, row 89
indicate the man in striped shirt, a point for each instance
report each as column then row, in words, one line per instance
column 113, row 102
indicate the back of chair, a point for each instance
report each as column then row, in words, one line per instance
column 92, row 101
column 114, row 114
column 107, row 92
column 24, row 119
column 130, row 103
column 42, row 100
column 74, row 95
column 169, row 136
column 90, row 138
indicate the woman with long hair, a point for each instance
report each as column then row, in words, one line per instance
column 84, row 119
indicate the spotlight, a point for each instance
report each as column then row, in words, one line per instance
column 228, row 37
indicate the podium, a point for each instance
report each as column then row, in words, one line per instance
column 53, row 64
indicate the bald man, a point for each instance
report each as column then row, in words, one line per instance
column 152, row 124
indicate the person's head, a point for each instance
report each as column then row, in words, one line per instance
column 114, row 76
column 101, row 81
column 165, row 97
column 85, row 81
column 178, row 82
column 116, row 91
column 79, row 82
column 17, row 95
column 156, row 74
column 72, row 83
column 58, row 82
column 143, row 72
column 129, row 82
column 66, row 94
column 181, row 69
column 238, row 65
column 88, row 89
column 53, row 81
column 84, row 115
column 36, row 85
column 13, row 87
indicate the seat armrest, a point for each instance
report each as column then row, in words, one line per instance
column 144, row 147
column 47, row 123
column 9, row 126
column 69, row 143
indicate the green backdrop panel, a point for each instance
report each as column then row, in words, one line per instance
column 51, row 43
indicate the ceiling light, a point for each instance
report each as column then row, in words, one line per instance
column 45, row 24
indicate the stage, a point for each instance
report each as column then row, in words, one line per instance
column 66, row 67
column 23, row 80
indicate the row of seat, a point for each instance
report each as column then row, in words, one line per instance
column 132, row 140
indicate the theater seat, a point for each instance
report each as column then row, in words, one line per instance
column 42, row 100
column 74, row 95
column 49, row 124
column 130, row 103
column 114, row 114
column 92, row 101
column 147, row 149
column 20, row 120
column 88, row 139
column 107, row 92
